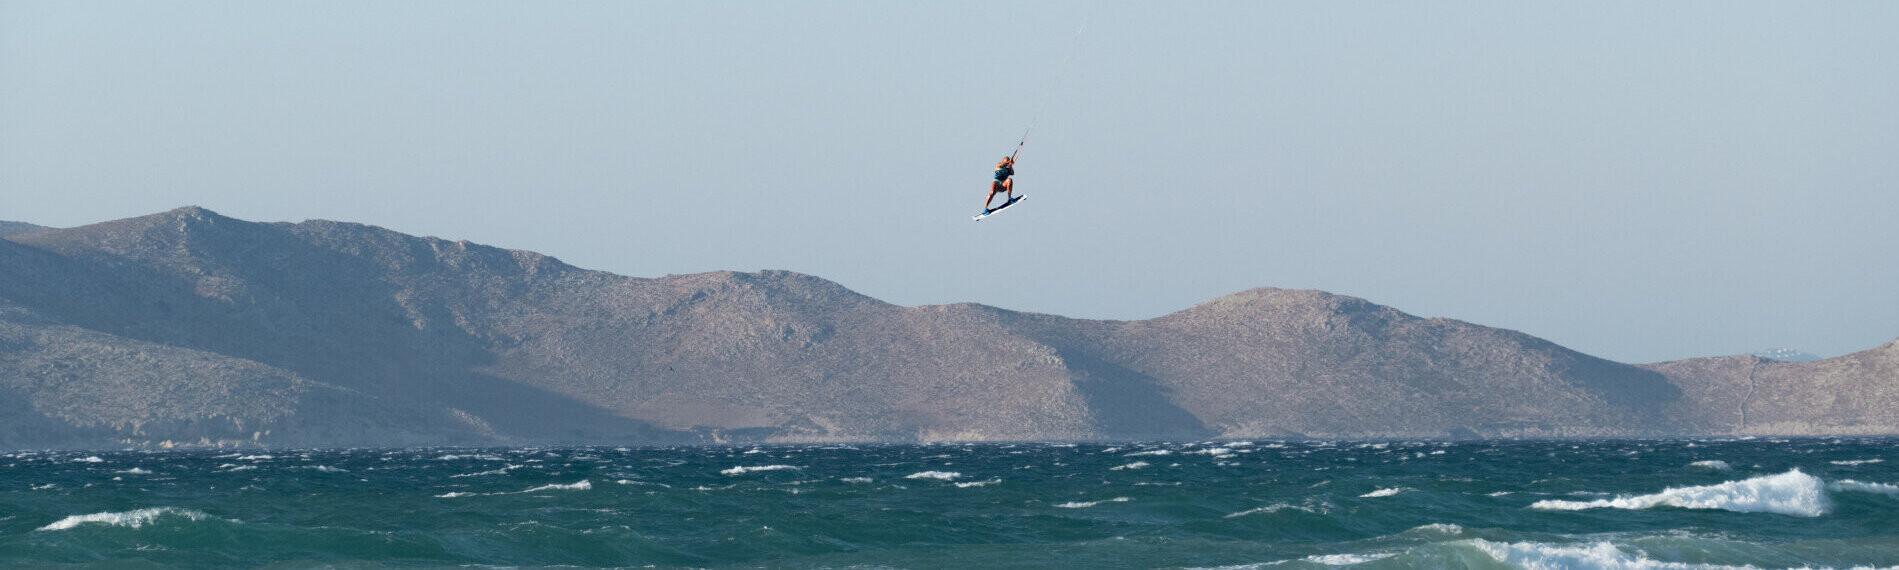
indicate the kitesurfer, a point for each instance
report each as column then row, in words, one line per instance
column 1004, row 183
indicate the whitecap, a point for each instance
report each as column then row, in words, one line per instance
column 1130, row 466
column 1386, row 492
column 1268, row 509
column 1863, row 487
column 1598, row 555
column 1441, row 528
column 89, row 459
column 937, row 475
column 1086, row 504
column 1155, row 453
column 455, row 495
column 856, row 480
column 501, row 471
column 478, row 457
column 1791, row 493
column 136, row 471
column 583, row 485
column 741, row 470
column 1347, row 559
column 1856, row 462
column 1715, row 464
column 128, row 519
column 978, row 483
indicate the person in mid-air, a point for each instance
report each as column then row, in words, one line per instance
column 1004, row 183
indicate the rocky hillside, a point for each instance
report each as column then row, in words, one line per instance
column 188, row 327
column 9, row 228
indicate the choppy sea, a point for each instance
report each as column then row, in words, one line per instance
column 1763, row 503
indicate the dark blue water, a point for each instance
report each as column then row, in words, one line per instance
column 1616, row 504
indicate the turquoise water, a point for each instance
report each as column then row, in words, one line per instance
column 1610, row 504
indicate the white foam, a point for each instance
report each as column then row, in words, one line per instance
column 89, row 459
column 255, row 458
column 1791, row 493
column 1086, row 504
column 1386, row 492
column 329, row 469
column 1268, row 509
column 136, row 471
column 128, row 519
column 1130, row 466
column 1347, row 559
column 937, row 475
column 1154, row 453
column 978, row 483
column 501, row 471
column 479, row 457
column 1443, row 528
column 741, row 470
column 1863, row 487
column 1600, row 555
column 856, row 480
column 1853, row 462
column 455, row 495
column 1715, row 464
column 583, row 485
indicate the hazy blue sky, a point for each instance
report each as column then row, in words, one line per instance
column 1637, row 180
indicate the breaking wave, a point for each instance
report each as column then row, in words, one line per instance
column 937, row 475
column 1386, row 492
column 127, row 519
column 1086, row 504
column 1863, row 487
column 754, row 469
column 1857, row 462
column 1347, row 559
column 1791, row 493
column 583, row 485
column 1715, row 464
column 1269, row 509
column 1598, row 555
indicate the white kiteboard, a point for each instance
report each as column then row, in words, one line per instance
column 998, row 209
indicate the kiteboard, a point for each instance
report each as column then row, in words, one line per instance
column 997, row 209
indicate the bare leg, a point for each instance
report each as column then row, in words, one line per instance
column 1009, row 186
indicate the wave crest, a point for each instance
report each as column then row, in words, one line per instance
column 127, row 519
column 741, row 470
column 1791, row 493
column 937, row 475
column 1597, row 555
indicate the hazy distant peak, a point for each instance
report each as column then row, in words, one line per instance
column 1276, row 300
column 10, row 228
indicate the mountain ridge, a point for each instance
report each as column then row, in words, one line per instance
column 351, row 334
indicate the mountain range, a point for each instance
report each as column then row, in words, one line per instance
column 196, row 329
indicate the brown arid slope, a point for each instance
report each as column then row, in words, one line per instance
column 1855, row 394
column 188, row 327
